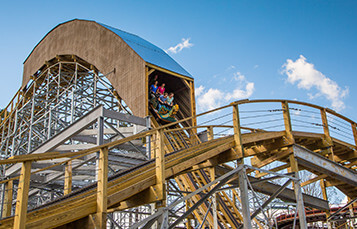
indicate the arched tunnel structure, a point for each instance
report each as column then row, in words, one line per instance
column 84, row 146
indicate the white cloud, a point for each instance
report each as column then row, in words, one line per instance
column 213, row 98
column 199, row 90
column 210, row 99
column 178, row 48
column 307, row 77
column 237, row 76
column 238, row 94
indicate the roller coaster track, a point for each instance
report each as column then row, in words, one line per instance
column 188, row 160
column 287, row 220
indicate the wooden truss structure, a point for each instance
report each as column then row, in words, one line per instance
column 183, row 177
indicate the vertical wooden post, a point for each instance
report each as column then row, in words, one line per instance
column 323, row 189
column 287, row 121
column 68, row 178
column 7, row 205
column 237, row 132
column 214, row 199
column 22, row 196
column 210, row 133
column 160, row 166
column 153, row 145
column 294, row 165
column 193, row 104
column 328, row 139
column 102, row 182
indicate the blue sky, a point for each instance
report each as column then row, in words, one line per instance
column 234, row 49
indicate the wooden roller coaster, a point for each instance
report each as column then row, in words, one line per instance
column 81, row 148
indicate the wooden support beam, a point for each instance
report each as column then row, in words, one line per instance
column 102, row 183
column 323, row 189
column 193, row 104
column 187, row 84
column 287, row 121
column 328, row 140
column 313, row 180
column 22, row 196
column 277, row 156
column 160, row 189
column 68, row 178
column 212, row 171
column 151, row 71
column 209, row 133
column 7, row 205
column 237, row 132
column 169, row 72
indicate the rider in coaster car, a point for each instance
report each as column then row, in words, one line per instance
column 160, row 90
column 153, row 89
column 162, row 100
column 170, row 100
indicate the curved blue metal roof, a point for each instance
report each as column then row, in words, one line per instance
column 149, row 52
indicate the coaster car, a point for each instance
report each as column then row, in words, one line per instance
column 162, row 112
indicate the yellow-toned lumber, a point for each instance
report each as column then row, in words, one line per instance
column 202, row 208
column 212, row 172
column 293, row 164
column 328, row 140
column 102, row 184
column 313, row 180
column 183, row 160
column 237, row 132
column 160, row 166
column 169, row 72
column 279, row 155
column 287, row 121
column 186, row 83
column 7, row 205
column 193, row 105
column 209, row 133
column 22, row 196
column 140, row 198
column 150, row 71
column 68, row 178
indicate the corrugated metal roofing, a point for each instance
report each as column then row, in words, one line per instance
column 149, row 52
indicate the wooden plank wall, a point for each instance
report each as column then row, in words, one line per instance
column 100, row 47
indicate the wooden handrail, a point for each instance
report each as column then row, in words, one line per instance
column 56, row 155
